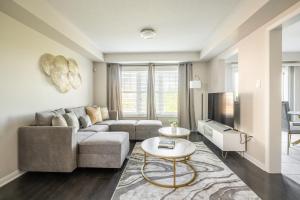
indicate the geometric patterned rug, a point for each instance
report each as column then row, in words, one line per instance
column 214, row 180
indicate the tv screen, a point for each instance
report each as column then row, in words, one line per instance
column 221, row 108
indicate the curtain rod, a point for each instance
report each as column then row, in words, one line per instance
column 232, row 63
column 156, row 64
column 287, row 62
column 290, row 62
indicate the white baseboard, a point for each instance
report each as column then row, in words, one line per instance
column 10, row 177
column 254, row 161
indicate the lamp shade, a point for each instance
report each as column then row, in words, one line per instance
column 195, row 84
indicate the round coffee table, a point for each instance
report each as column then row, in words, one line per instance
column 174, row 132
column 181, row 153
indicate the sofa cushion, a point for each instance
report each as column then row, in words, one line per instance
column 125, row 122
column 60, row 111
column 59, row 120
column 104, row 149
column 82, row 135
column 94, row 113
column 44, row 118
column 145, row 129
column 106, row 122
column 96, row 128
column 124, row 125
column 148, row 123
column 79, row 111
column 72, row 120
column 85, row 121
column 103, row 143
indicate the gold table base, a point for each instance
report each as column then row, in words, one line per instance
column 174, row 185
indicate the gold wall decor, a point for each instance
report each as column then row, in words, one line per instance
column 64, row 73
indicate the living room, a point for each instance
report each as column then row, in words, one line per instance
column 92, row 91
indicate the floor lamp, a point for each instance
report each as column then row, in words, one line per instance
column 196, row 84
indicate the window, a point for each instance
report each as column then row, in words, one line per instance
column 232, row 79
column 134, row 90
column 166, row 90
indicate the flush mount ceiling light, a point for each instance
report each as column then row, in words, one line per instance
column 148, row 33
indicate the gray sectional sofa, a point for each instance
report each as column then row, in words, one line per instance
column 43, row 147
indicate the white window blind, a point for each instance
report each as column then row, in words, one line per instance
column 134, row 90
column 166, row 90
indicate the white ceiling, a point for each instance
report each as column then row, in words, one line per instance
column 291, row 38
column 114, row 25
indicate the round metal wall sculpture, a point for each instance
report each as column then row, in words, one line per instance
column 64, row 73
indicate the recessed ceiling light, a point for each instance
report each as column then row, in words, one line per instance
column 148, row 33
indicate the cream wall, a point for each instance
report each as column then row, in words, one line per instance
column 259, row 99
column 24, row 88
column 100, row 84
column 216, row 73
column 200, row 70
column 252, row 68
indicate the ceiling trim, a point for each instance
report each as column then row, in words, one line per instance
column 223, row 40
column 40, row 16
column 156, row 57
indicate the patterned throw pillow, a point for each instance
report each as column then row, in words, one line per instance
column 85, row 121
column 59, row 120
column 72, row 120
column 94, row 113
column 104, row 113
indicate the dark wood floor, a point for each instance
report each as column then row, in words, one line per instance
column 100, row 183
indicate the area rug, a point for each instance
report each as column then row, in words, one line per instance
column 214, row 179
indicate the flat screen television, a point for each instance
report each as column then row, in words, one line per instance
column 223, row 108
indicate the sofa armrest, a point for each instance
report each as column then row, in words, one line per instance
column 47, row 148
column 113, row 115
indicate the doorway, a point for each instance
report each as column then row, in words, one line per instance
column 290, row 97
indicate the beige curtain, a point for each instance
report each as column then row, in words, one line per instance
column 151, row 93
column 113, row 88
column 186, row 114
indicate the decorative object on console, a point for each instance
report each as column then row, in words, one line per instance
column 63, row 73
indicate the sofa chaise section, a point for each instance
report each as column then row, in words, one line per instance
column 104, row 150
column 145, row 129
column 47, row 148
column 124, row 125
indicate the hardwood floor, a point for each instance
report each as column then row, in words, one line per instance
column 100, row 183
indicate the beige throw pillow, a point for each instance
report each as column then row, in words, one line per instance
column 104, row 113
column 59, row 120
column 94, row 113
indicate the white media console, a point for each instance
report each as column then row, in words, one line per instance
column 222, row 136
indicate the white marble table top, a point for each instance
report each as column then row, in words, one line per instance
column 174, row 132
column 183, row 148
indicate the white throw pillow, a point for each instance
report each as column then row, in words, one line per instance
column 59, row 120
column 104, row 113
